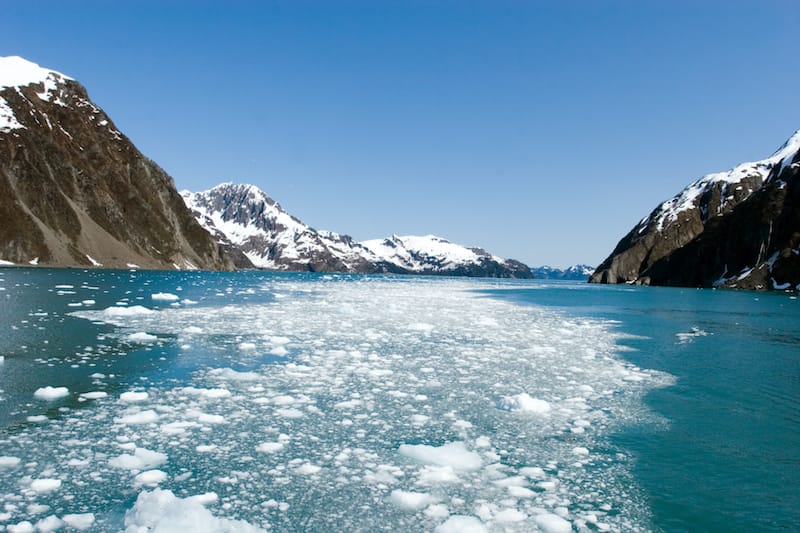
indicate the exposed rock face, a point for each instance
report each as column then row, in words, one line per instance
column 737, row 229
column 245, row 218
column 74, row 191
column 573, row 273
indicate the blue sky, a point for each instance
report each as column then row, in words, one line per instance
column 540, row 130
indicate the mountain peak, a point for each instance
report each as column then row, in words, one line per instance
column 16, row 71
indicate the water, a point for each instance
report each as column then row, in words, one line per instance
column 291, row 402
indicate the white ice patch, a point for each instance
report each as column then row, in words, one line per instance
column 452, row 454
column 413, row 501
column 142, row 459
column 162, row 512
column 51, row 393
column 524, row 402
column 165, row 297
column 462, row 524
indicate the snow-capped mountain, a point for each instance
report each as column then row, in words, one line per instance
column 574, row 272
column 739, row 228
column 74, row 191
column 244, row 218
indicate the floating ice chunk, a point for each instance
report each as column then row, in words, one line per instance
column 437, row 510
column 215, row 393
column 133, row 397
column 51, row 393
column 509, row 515
column 206, row 418
column 434, row 475
column 520, row 492
column 45, row 485
column 51, row 523
column 308, row 469
column 247, row 346
column 141, row 336
column 289, row 412
column 134, row 310
column 160, row 510
column 79, row 521
column 270, row 447
column 205, row 499
column 165, row 297
column 9, row 461
column 22, row 527
column 421, row 326
column 37, row 419
column 205, row 448
column 94, row 395
column 533, row 472
column 142, row 417
column 461, row 524
column 526, row 403
column 150, row 478
column 551, row 523
column 193, row 330
column 452, row 454
column 141, row 459
column 411, row 500
column 580, row 450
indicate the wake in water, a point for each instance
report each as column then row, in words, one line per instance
column 370, row 405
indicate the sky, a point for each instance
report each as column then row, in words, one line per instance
column 539, row 130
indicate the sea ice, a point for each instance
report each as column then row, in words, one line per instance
column 45, row 485
column 551, row 523
column 79, row 521
column 51, row 393
column 141, row 337
column 165, row 297
column 7, row 461
column 133, row 397
column 412, row 500
column 150, row 478
column 452, row 454
column 141, row 459
column 526, row 403
column 461, row 524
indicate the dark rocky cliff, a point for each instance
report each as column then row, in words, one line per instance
column 74, row 191
column 739, row 229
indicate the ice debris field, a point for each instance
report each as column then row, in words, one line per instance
column 354, row 404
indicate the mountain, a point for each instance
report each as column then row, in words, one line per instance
column 74, row 191
column 575, row 272
column 244, row 219
column 734, row 229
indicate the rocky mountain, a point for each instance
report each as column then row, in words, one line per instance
column 244, row 219
column 734, row 229
column 74, row 191
column 574, row 273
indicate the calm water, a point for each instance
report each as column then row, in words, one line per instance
column 292, row 402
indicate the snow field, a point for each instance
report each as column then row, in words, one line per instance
column 369, row 421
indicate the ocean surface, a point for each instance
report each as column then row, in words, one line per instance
column 209, row 402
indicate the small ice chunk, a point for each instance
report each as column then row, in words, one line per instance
column 51, row 393
column 160, row 510
column 22, row 527
column 142, row 417
column 461, row 524
column 51, row 523
column 247, row 346
column 79, row 521
column 94, row 395
column 205, row 499
column 132, row 397
column 270, row 447
column 141, row 459
column 165, row 297
column 150, row 478
column 509, row 515
column 308, row 469
column 9, row 461
column 551, row 523
column 142, row 337
column 134, row 310
column 45, row 485
column 452, row 454
column 526, row 403
column 411, row 500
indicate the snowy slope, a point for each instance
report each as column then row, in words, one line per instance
column 736, row 185
column 718, row 229
column 247, row 218
column 574, row 272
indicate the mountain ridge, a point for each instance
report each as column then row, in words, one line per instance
column 74, row 191
column 246, row 218
column 732, row 229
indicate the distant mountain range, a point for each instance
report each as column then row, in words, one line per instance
column 734, row 229
column 261, row 234
column 573, row 273
column 74, row 191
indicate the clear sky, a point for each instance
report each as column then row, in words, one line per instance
column 540, row 130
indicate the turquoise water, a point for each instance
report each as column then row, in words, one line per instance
column 298, row 402
column 730, row 457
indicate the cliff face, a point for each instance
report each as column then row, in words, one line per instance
column 74, row 191
column 735, row 229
